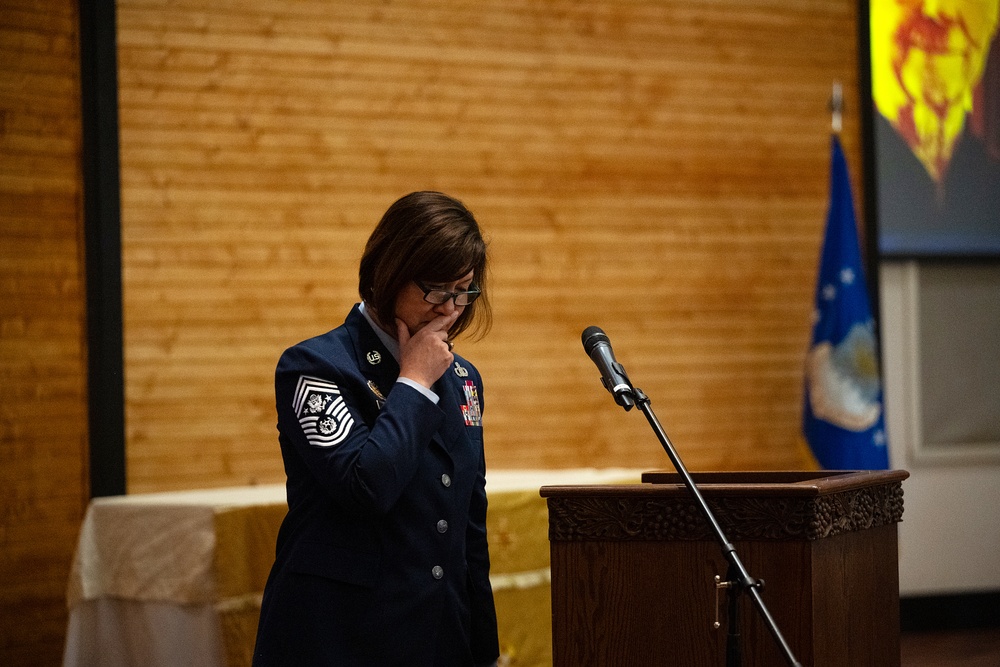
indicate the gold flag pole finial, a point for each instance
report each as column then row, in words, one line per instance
column 837, row 107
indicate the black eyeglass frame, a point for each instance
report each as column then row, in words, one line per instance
column 471, row 294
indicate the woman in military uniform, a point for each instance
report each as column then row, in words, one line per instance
column 382, row 558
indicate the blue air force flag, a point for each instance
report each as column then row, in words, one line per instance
column 843, row 420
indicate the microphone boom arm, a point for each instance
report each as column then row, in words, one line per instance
column 742, row 582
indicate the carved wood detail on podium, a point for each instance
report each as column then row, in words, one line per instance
column 658, row 517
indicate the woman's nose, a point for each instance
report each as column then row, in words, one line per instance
column 446, row 308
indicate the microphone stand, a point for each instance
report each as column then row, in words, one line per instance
column 739, row 580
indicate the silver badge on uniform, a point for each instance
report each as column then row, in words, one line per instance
column 461, row 371
column 373, row 357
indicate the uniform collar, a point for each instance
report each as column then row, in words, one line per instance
column 390, row 343
column 375, row 359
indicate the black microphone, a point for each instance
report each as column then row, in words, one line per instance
column 613, row 376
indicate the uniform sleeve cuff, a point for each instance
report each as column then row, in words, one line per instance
column 431, row 396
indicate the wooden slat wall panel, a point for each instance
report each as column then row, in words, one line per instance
column 43, row 405
column 658, row 169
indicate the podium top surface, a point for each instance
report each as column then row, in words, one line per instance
column 744, row 484
column 784, row 505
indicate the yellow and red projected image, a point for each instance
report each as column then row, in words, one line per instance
column 927, row 58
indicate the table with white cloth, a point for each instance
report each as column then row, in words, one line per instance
column 176, row 578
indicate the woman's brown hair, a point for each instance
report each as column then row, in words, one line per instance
column 426, row 237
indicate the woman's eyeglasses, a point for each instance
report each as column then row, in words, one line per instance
column 439, row 296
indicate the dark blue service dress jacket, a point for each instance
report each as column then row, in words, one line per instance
column 382, row 558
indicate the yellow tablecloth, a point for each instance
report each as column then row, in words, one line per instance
column 176, row 578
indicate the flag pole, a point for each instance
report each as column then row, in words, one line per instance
column 837, row 107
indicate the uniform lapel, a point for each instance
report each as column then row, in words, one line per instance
column 375, row 361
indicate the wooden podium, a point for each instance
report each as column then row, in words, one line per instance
column 634, row 567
